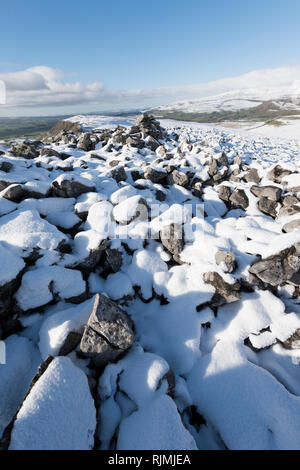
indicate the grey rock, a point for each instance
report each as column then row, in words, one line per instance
column 213, row 167
column 288, row 211
column 225, row 292
column 6, row 167
column 155, row 175
column 222, row 160
column 172, row 238
column 271, row 192
column 267, row 206
column 152, row 143
column 291, row 226
column 134, row 142
column 114, row 260
column 85, row 143
column 118, row 174
column 239, row 199
column 49, row 152
column 228, row 258
column 278, row 173
column 224, row 193
column 108, row 334
column 252, row 176
column 278, row 269
column 160, row 195
column 114, row 163
column 290, row 200
column 178, row 177
column 65, row 126
column 24, row 150
column 15, row 193
column 70, row 188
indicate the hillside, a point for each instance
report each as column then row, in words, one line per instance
column 246, row 108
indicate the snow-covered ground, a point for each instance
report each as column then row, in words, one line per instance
column 195, row 234
column 235, row 100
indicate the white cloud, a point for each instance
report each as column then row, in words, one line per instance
column 43, row 87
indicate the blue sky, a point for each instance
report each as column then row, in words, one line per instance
column 144, row 45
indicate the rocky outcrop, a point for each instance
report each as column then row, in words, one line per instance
column 108, row 334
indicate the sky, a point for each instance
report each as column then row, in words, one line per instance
column 64, row 56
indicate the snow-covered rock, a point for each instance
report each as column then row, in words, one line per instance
column 59, row 412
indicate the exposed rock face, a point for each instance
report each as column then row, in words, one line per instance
column 70, row 187
column 113, row 261
column 155, row 175
column 228, row 258
column 14, row 192
column 6, row 167
column 271, row 192
column 178, row 177
column 225, row 292
column 289, row 200
column 288, row 210
column 50, row 152
column 85, row 143
column 108, row 334
column 267, row 206
column 172, row 238
column 65, row 127
column 118, row 174
column 24, row 150
column 277, row 173
column 279, row 269
column 239, row 199
column 224, row 193
column 252, row 176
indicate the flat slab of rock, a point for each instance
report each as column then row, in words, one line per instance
column 271, row 192
column 278, row 269
column 108, row 334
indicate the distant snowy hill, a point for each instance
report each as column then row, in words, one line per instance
column 246, row 108
column 284, row 97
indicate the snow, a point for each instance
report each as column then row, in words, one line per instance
column 58, row 414
column 22, row 360
column 39, row 285
column 249, row 407
column 11, row 263
column 154, row 422
column 27, row 230
column 57, row 326
column 158, row 427
column 193, row 352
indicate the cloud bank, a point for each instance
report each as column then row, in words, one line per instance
column 44, row 87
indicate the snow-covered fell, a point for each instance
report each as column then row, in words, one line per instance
column 158, row 265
